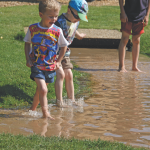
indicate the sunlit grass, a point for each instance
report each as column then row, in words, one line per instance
column 36, row 142
column 16, row 87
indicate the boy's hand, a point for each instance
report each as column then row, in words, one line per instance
column 145, row 20
column 58, row 64
column 123, row 17
column 29, row 63
column 81, row 36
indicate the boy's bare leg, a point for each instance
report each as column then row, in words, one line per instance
column 69, row 84
column 122, row 46
column 59, row 86
column 35, row 100
column 42, row 90
column 135, row 52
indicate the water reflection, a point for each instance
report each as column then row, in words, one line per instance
column 119, row 108
column 30, row 122
column 122, row 98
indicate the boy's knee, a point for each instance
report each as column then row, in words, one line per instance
column 60, row 74
column 136, row 41
column 68, row 75
column 125, row 40
column 43, row 90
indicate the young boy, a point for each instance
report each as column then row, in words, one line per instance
column 134, row 16
column 68, row 22
column 46, row 38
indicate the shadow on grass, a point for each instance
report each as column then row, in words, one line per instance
column 20, row 36
column 11, row 92
column 83, row 69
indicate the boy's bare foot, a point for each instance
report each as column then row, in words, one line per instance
column 60, row 104
column 136, row 69
column 75, row 103
column 32, row 109
column 122, row 70
column 48, row 117
column 46, row 114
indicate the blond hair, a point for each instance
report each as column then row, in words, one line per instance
column 48, row 4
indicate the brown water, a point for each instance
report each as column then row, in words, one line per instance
column 119, row 109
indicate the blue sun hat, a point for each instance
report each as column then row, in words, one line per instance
column 81, row 7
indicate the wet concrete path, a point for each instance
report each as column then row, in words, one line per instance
column 119, row 109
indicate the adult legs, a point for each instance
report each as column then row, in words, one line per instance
column 122, row 46
column 135, row 51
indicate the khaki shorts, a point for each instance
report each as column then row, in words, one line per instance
column 66, row 64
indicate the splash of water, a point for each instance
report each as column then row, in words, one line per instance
column 77, row 106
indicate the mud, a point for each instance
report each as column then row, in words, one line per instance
column 118, row 110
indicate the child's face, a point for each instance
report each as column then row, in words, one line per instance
column 49, row 17
column 74, row 15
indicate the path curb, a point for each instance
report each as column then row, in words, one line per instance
column 99, row 43
column 95, row 43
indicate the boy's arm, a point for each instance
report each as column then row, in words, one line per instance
column 27, row 51
column 123, row 16
column 79, row 36
column 146, row 18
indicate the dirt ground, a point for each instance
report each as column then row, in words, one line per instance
column 8, row 3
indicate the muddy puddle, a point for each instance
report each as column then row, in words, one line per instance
column 119, row 109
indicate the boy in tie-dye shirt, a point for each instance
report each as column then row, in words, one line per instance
column 42, row 43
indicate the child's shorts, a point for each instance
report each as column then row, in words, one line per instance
column 48, row 76
column 132, row 28
column 66, row 64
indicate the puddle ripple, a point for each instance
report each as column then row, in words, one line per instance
column 118, row 110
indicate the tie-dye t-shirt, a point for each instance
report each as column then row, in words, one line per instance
column 45, row 45
column 68, row 28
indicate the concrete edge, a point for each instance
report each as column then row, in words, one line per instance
column 98, row 43
column 95, row 43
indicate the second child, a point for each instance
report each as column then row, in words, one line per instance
column 77, row 10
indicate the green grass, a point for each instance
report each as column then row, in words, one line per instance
column 35, row 142
column 16, row 87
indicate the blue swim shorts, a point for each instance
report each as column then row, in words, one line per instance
column 48, row 76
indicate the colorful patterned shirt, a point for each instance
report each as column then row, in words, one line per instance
column 68, row 28
column 45, row 44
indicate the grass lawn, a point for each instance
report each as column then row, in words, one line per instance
column 17, row 89
column 34, row 142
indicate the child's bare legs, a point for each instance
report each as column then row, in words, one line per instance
column 69, row 84
column 35, row 100
column 42, row 91
column 122, row 46
column 135, row 51
column 59, row 86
